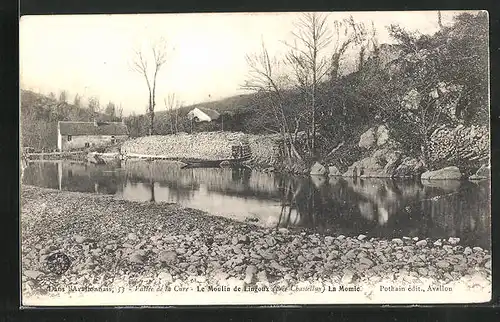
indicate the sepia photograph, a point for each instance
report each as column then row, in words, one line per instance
column 255, row 158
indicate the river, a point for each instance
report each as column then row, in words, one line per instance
column 374, row 207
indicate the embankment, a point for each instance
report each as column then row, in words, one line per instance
column 264, row 149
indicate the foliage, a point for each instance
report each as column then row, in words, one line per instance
column 40, row 114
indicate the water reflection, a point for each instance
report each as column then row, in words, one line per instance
column 376, row 207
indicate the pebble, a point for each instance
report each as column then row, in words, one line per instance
column 453, row 240
column 361, row 237
column 347, row 277
column 167, row 256
column 32, row 274
column 438, row 243
column 79, row 239
column 397, row 241
column 442, row 264
column 132, row 236
column 136, row 257
column 421, row 243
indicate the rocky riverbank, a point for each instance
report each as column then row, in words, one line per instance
column 115, row 243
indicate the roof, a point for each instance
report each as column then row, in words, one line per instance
column 89, row 128
column 213, row 114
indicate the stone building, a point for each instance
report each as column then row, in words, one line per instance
column 81, row 135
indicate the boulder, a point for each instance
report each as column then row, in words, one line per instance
column 318, row 169
column 448, row 173
column 381, row 164
column 409, row 168
column 382, row 135
column 484, row 172
column 333, row 171
column 367, row 139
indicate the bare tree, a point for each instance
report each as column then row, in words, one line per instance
column 119, row 112
column 149, row 67
column 94, row 106
column 345, row 33
column 264, row 77
column 77, row 100
column 172, row 105
column 63, row 96
column 310, row 63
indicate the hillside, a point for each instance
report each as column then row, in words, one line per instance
column 39, row 115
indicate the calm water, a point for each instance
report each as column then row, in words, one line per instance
column 376, row 207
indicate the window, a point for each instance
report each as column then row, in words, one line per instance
column 113, row 140
column 69, row 137
column 87, row 145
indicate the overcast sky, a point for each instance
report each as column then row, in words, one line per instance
column 90, row 54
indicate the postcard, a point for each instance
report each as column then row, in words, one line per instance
column 255, row 159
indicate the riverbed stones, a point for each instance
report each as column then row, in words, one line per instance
column 325, row 258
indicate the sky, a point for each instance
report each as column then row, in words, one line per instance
column 91, row 54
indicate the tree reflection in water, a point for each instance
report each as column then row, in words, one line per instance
column 379, row 207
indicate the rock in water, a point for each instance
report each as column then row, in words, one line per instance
column 333, row 171
column 448, row 173
column 484, row 171
column 318, row 169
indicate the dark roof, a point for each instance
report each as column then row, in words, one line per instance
column 212, row 113
column 89, row 128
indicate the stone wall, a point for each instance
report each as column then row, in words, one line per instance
column 467, row 147
column 205, row 145
column 265, row 149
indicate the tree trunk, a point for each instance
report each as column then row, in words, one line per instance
column 151, row 122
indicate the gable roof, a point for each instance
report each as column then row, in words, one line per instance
column 213, row 114
column 89, row 128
